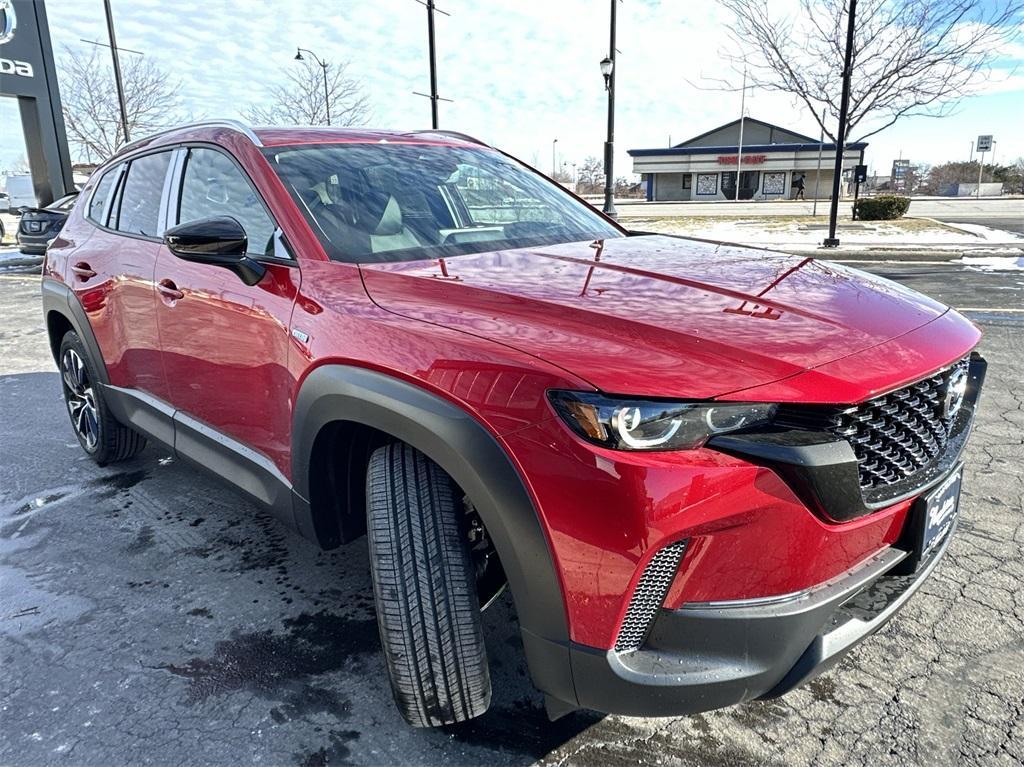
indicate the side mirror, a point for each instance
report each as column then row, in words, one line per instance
column 218, row 241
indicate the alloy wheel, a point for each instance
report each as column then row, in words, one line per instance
column 78, row 392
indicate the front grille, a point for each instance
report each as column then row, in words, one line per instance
column 649, row 596
column 893, row 436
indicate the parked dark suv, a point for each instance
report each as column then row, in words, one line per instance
column 703, row 472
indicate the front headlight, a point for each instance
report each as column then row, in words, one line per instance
column 626, row 424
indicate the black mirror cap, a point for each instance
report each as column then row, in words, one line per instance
column 218, row 241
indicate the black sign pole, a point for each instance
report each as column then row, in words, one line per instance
column 117, row 71
column 832, row 241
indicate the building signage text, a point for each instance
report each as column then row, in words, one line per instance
column 748, row 159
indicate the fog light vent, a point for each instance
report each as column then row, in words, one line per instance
column 649, row 596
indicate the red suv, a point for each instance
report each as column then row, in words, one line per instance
column 704, row 472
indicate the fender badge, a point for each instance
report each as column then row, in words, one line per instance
column 300, row 336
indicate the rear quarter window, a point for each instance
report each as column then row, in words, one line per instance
column 98, row 203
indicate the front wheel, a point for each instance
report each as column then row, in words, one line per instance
column 101, row 436
column 424, row 582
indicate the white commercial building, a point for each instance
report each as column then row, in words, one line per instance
column 772, row 159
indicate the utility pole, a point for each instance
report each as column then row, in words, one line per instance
column 972, row 151
column 432, row 48
column 117, row 71
column 433, row 64
column 832, row 241
column 608, row 70
column 739, row 147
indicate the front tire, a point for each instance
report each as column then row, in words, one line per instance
column 101, row 436
column 424, row 583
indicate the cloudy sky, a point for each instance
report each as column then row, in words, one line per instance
column 521, row 72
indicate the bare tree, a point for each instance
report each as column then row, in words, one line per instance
column 590, row 176
column 91, row 111
column 301, row 100
column 910, row 57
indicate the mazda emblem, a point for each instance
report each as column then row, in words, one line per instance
column 956, row 389
column 8, row 21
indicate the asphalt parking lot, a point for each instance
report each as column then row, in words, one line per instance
column 148, row 615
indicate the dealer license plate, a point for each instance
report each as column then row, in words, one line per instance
column 941, row 507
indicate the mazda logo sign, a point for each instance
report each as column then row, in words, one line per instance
column 956, row 390
column 8, row 20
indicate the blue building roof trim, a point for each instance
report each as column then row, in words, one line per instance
column 747, row 149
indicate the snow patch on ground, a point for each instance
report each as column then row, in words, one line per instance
column 993, row 263
column 804, row 232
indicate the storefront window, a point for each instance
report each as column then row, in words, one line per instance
column 707, row 183
column 774, row 183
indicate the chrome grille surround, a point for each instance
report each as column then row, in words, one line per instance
column 649, row 596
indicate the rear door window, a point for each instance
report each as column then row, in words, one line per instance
column 141, row 193
column 212, row 185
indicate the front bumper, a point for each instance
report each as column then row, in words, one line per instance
column 707, row 656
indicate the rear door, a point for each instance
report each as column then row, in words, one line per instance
column 225, row 344
column 112, row 273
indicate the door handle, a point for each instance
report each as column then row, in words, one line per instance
column 83, row 271
column 169, row 290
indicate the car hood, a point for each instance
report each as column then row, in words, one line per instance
column 654, row 315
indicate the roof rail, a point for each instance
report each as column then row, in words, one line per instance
column 237, row 125
column 451, row 133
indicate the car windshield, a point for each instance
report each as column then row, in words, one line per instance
column 403, row 202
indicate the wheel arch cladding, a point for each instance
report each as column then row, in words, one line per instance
column 461, row 446
column 63, row 312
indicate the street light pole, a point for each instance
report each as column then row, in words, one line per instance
column 553, row 161
column 832, row 241
column 739, row 147
column 608, row 70
column 117, row 71
column 323, row 66
column 817, row 173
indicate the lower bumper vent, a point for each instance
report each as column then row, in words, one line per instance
column 649, row 596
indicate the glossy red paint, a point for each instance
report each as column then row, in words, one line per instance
column 493, row 332
column 118, row 299
column 661, row 316
column 608, row 511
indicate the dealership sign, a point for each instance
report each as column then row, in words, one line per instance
column 9, row 23
column 748, row 159
column 28, row 73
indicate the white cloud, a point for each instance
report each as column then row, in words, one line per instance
column 520, row 73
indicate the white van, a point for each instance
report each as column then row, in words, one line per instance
column 20, row 192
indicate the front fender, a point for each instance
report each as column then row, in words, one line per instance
column 476, row 461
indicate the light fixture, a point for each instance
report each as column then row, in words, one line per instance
column 606, row 70
column 298, row 55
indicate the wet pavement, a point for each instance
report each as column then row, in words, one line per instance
column 149, row 615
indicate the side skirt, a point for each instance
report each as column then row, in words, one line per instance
column 206, row 447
